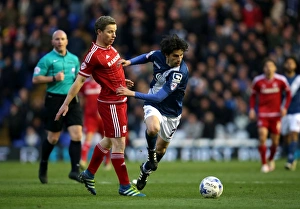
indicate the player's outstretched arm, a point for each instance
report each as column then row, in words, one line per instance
column 71, row 94
column 124, row 62
column 123, row 91
column 158, row 97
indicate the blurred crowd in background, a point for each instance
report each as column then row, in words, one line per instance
column 228, row 40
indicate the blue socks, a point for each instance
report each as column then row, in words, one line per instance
column 291, row 151
column 151, row 141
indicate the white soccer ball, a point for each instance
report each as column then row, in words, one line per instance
column 134, row 181
column 211, row 187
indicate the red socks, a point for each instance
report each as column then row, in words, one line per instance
column 118, row 162
column 97, row 158
column 263, row 150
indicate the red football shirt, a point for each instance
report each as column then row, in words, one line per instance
column 101, row 63
column 270, row 93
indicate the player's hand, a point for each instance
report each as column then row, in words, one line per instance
column 60, row 76
column 252, row 114
column 283, row 112
column 123, row 91
column 61, row 112
column 129, row 83
column 124, row 62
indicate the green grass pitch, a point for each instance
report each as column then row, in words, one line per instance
column 174, row 185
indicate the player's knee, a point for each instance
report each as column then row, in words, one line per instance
column 53, row 140
column 76, row 135
column 153, row 130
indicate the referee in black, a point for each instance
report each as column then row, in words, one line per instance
column 58, row 69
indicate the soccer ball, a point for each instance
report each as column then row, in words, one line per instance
column 211, row 187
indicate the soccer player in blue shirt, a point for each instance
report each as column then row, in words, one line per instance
column 163, row 103
column 291, row 122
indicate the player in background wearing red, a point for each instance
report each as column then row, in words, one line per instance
column 92, row 122
column 269, row 88
column 101, row 62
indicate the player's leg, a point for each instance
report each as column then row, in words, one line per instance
column 275, row 127
column 166, row 133
column 117, row 133
column 73, row 120
column 293, row 141
column 100, row 150
column 285, row 129
column 75, row 132
column 85, row 149
column 101, row 131
column 263, row 134
column 107, row 164
column 87, row 176
column 275, row 142
column 115, row 120
column 153, row 120
column 118, row 162
column 161, row 148
column 90, row 127
column 52, row 105
column 47, row 147
column 292, row 147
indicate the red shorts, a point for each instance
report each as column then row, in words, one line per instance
column 272, row 124
column 93, row 123
column 114, row 118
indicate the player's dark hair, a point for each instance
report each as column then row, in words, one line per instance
column 295, row 60
column 171, row 43
column 104, row 21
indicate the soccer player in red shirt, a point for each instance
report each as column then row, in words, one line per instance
column 92, row 121
column 269, row 88
column 101, row 62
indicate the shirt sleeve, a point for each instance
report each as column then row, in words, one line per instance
column 141, row 59
column 158, row 97
column 41, row 67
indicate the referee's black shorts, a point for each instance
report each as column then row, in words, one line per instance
column 52, row 104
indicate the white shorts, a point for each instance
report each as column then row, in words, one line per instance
column 168, row 125
column 290, row 122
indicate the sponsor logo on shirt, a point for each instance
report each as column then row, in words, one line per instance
column 177, row 77
column 270, row 90
column 113, row 61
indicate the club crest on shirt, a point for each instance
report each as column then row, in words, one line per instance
column 173, row 86
column 83, row 66
column 160, row 78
